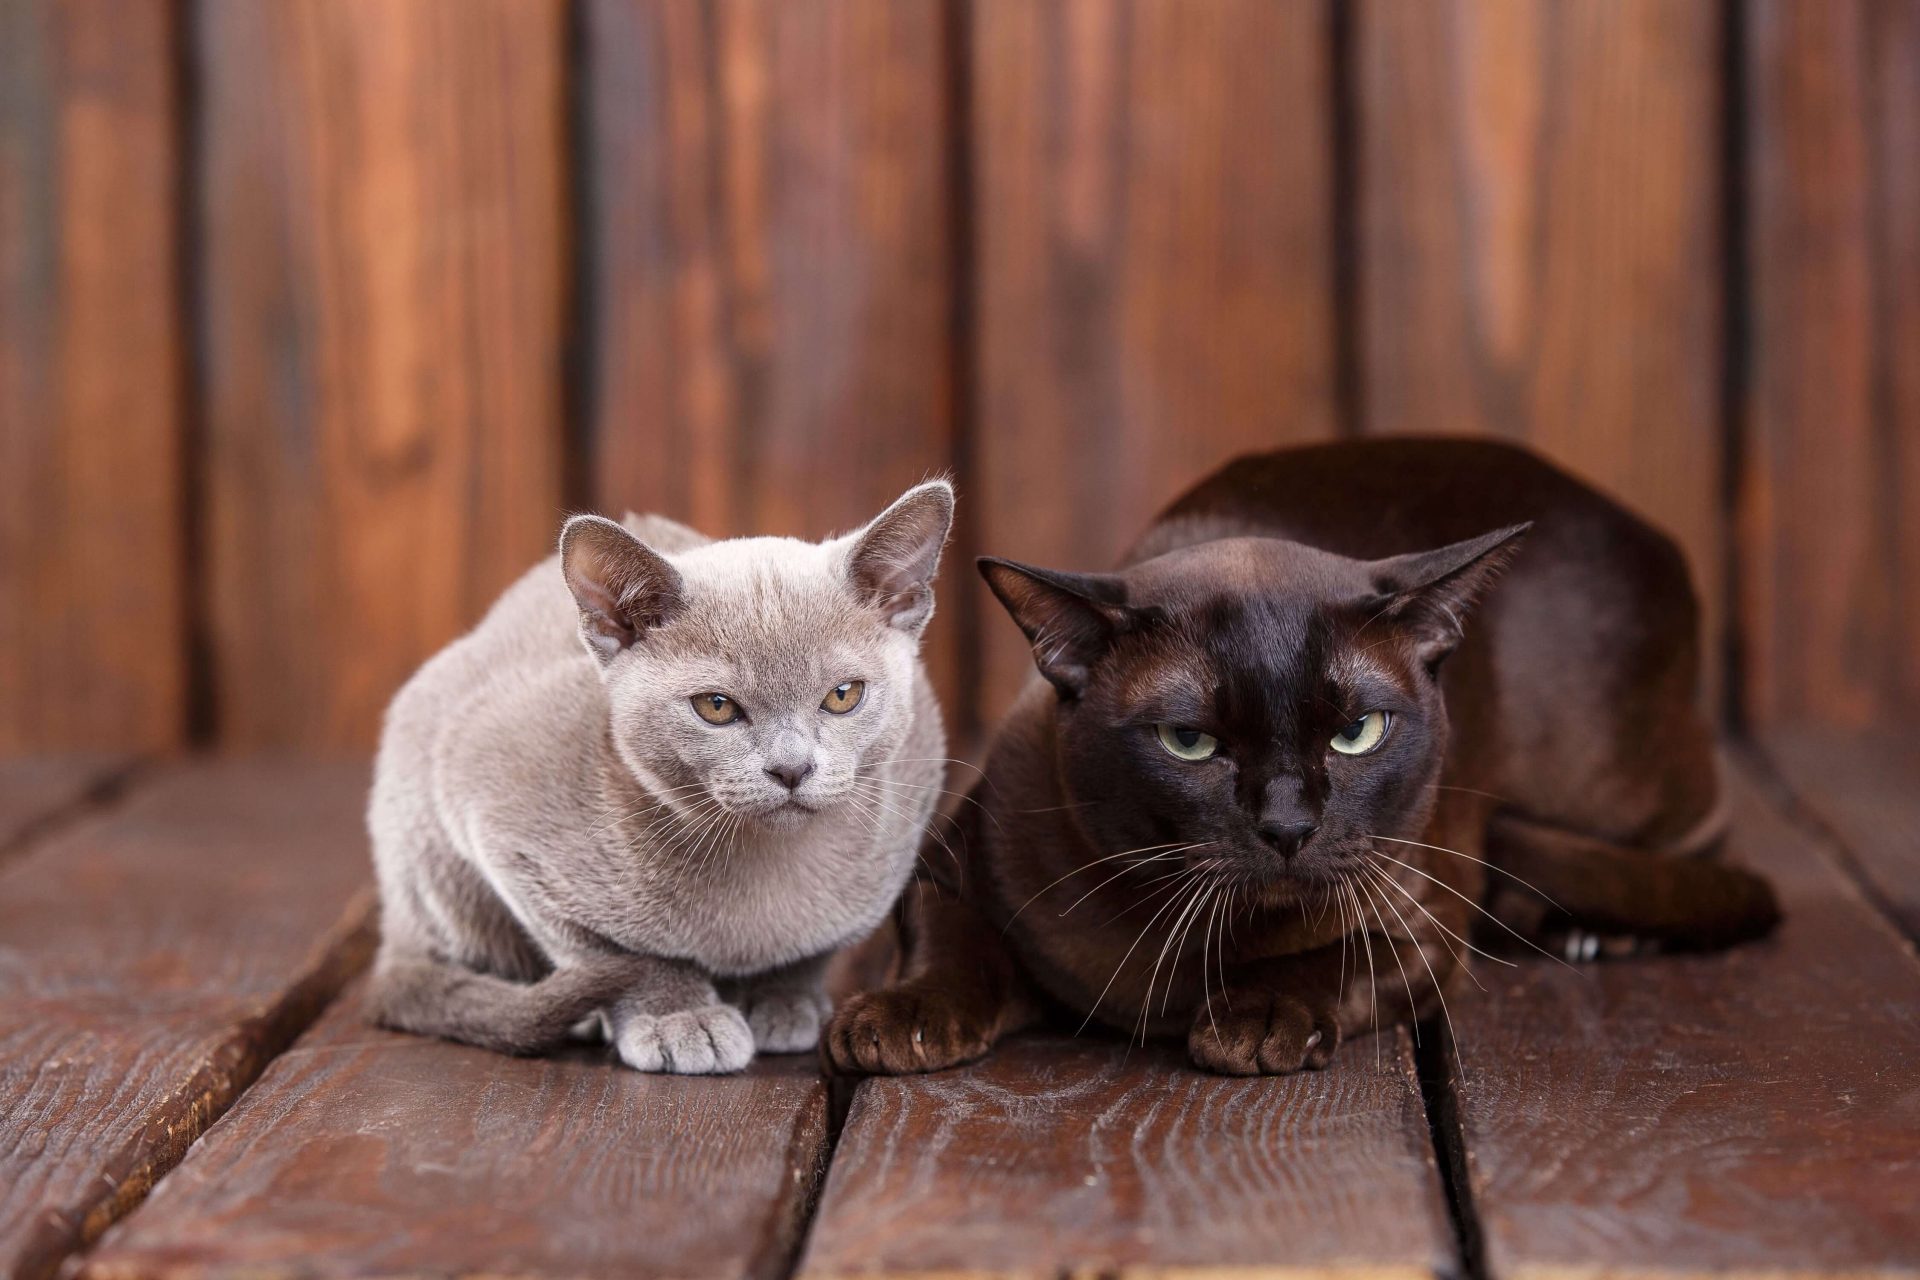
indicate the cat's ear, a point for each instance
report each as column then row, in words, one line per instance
column 891, row 562
column 623, row 586
column 1431, row 592
column 1071, row 618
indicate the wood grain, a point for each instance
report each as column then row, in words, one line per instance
column 92, row 580
column 1751, row 1112
column 1077, row 1157
column 771, row 289
column 382, row 215
column 1830, row 590
column 44, row 791
column 1154, row 236
column 1861, row 787
column 1539, row 242
column 364, row 1152
column 151, row 962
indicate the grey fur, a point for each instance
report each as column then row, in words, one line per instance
column 563, row 844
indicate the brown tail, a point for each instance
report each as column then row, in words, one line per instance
column 1575, row 881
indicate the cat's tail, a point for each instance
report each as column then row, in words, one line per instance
column 1559, row 881
column 430, row 997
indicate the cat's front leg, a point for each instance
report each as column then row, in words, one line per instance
column 1272, row 1016
column 674, row 1021
column 786, row 1007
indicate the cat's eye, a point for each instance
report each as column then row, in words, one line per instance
column 1363, row 735
column 1187, row 744
column 715, row 708
column 844, row 696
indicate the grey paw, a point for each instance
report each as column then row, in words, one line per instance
column 693, row 1042
column 787, row 1021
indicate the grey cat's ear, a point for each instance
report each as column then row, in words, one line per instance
column 1432, row 592
column 891, row 562
column 1070, row 618
column 623, row 586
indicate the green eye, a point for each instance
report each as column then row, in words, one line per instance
column 1187, row 744
column 1363, row 735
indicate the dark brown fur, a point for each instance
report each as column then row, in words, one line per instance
column 1553, row 754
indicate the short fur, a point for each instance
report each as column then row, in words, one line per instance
column 560, row 838
column 1546, row 762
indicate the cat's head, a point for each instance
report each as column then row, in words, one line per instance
column 758, row 676
column 1271, row 705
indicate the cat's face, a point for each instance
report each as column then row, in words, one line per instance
column 757, row 677
column 1254, row 706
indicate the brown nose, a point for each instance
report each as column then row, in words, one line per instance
column 791, row 774
column 1288, row 837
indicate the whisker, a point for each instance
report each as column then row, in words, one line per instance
column 1094, row 1007
column 1086, row 866
column 1386, row 879
column 1476, row 906
column 1470, row 858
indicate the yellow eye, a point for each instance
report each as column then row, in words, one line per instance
column 1187, row 744
column 715, row 708
column 1363, row 735
column 844, row 697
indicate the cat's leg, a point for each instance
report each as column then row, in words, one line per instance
column 786, row 1008
column 673, row 1020
column 960, row 993
column 419, row 992
column 1566, row 887
column 1281, row 1014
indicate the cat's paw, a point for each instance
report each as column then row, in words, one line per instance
column 904, row 1029
column 1264, row 1033
column 692, row 1042
column 787, row 1021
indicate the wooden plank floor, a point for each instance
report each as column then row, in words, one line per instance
column 160, row 950
column 1863, row 788
column 152, row 960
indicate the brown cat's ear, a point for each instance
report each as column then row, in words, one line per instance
column 1071, row 618
column 1432, row 592
column 893, row 560
column 622, row 585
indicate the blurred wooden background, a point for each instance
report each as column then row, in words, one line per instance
column 316, row 316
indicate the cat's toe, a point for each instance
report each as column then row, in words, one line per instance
column 1274, row 1036
column 788, row 1021
column 703, row 1041
column 901, row 1030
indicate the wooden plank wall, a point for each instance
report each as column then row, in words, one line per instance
column 315, row 318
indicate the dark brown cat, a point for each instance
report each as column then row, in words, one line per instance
column 1320, row 723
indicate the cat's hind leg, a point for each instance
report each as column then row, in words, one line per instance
column 1590, row 896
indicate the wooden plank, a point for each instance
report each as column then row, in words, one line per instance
column 1861, row 787
column 1539, row 242
column 1830, row 591
column 1079, row 1157
column 363, row 1152
column 771, row 290
column 92, row 592
column 1744, row 1113
column 151, row 962
column 1154, row 244
column 43, row 791
column 382, row 206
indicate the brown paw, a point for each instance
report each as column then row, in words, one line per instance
column 1259, row 1033
column 903, row 1029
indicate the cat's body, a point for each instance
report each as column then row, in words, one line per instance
column 1276, row 893
column 554, row 842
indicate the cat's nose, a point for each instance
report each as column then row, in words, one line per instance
column 790, row 774
column 1288, row 837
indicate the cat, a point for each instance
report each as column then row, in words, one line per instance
column 657, row 787
column 1273, row 769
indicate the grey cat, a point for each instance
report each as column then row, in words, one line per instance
column 657, row 786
